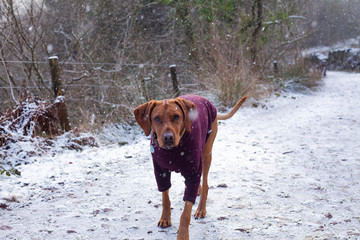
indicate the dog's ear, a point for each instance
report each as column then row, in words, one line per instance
column 143, row 116
column 189, row 110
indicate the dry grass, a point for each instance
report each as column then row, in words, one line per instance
column 233, row 82
column 308, row 76
column 225, row 69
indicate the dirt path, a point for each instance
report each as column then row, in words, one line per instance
column 290, row 171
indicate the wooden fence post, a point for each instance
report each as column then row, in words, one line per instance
column 175, row 83
column 323, row 69
column 55, row 76
column 59, row 93
column 276, row 68
column 144, row 89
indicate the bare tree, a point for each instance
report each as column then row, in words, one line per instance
column 22, row 42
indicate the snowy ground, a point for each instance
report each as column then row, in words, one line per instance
column 287, row 171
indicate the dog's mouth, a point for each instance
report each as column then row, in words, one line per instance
column 168, row 147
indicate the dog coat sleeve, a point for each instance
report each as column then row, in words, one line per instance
column 163, row 177
column 191, row 187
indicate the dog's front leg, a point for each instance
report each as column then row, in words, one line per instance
column 165, row 220
column 183, row 233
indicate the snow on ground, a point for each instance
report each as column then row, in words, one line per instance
column 288, row 171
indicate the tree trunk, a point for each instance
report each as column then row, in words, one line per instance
column 257, row 18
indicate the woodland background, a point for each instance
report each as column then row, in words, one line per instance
column 115, row 55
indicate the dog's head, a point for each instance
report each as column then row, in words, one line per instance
column 168, row 119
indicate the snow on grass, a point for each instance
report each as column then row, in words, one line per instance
column 287, row 171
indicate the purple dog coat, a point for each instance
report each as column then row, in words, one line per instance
column 186, row 158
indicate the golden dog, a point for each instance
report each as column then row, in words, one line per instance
column 183, row 132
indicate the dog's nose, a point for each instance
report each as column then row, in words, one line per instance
column 168, row 138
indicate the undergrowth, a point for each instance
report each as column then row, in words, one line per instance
column 225, row 70
column 29, row 129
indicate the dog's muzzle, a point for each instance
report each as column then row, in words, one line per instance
column 168, row 139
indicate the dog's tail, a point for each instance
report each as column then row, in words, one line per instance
column 232, row 111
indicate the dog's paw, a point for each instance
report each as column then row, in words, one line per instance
column 200, row 213
column 164, row 223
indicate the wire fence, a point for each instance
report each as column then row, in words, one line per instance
column 140, row 65
column 106, row 90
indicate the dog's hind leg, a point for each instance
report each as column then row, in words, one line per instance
column 206, row 158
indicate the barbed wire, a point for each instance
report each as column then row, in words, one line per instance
column 24, row 87
column 87, row 79
column 140, row 65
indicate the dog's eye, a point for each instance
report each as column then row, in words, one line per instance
column 157, row 119
column 176, row 117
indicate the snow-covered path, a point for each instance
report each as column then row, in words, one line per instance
column 290, row 171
